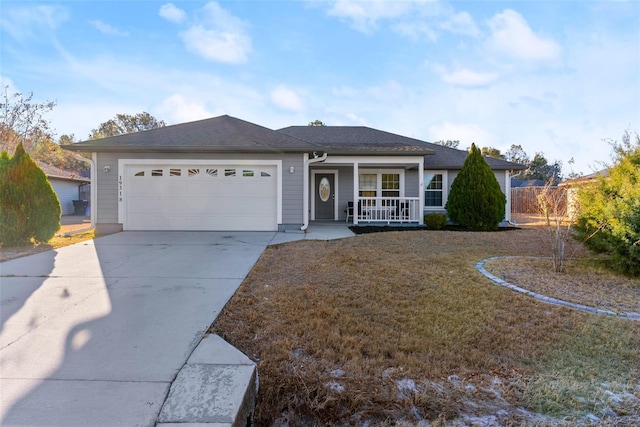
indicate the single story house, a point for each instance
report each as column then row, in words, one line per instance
column 224, row 173
column 571, row 186
column 70, row 186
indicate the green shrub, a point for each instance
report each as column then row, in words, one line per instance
column 476, row 201
column 609, row 210
column 29, row 207
column 435, row 221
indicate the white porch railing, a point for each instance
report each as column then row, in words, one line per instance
column 387, row 209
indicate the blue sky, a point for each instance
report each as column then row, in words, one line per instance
column 555, row 77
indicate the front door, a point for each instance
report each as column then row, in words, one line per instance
column 325, row 196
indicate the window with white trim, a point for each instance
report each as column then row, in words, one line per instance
column 368, row 185
column 435, row 189
column 381, row 183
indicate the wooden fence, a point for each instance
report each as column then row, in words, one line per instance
column 525, row 199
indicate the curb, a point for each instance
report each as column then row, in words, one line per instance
column 544, row 298
column 216, row 387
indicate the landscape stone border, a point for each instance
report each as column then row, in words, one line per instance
column 544, row 298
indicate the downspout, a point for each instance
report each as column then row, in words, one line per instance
column 305, row 189
column 507, row 185
column 93, row 162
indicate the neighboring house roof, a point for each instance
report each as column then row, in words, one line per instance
column 520, row 183
column 57, row 173
column 586, row 178
column 358, row 140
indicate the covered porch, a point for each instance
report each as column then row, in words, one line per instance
column 367, row 190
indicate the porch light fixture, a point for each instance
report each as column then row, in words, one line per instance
column 292, row 169
column 106, row 169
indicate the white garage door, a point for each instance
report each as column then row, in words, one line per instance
column 200, row 197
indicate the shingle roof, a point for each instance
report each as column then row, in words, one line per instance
column 229, row 134
column 223, row 133
column 360, row 139
column 357, row 140
column 54, row 172
column 451, row 158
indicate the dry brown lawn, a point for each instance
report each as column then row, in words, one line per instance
column 399, row 328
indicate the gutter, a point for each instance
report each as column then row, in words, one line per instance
column 94, row 196
column 305, row 189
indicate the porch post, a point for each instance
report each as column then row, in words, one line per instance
column 507, row 189
column 421, row 189
column 356, row 187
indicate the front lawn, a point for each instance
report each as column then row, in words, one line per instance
column 399, row 327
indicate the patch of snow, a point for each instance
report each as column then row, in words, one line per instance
column 335, row 386
column 406, row 388
column 455, row 380
column 592, row 418
column 614, row 398
column 338, row 373
column 486, row 421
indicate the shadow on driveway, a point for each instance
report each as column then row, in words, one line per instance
column 104, row 326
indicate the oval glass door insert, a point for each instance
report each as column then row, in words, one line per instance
column 324, row 189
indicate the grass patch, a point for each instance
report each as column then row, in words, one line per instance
column 590, row 373
column 7, row 253
column 586, row 282
column 399, row 327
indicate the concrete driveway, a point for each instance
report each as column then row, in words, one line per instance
column 93, row 334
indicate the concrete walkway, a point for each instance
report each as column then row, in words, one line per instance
column 109, row 332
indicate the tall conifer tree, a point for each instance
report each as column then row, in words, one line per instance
column 476, row 201
column 29, row 207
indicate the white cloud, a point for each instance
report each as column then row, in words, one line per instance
column 364, row 16
column 217, row 46
column 7, row 83
column 416, row 30
column 219, row 36
column 461, row 23
column 286, row 98
column 178, row 110
column 108, row 29
column 468, row 78
column 25, row 23
column 172, row 13
column 511, row 35
column 412, row 19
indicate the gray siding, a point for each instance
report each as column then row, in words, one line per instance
column 411, row 184
column 292, row 187
column 345, row 190
column 500, row 177
column 107, row 183
column 67, row 192
column 107, row 189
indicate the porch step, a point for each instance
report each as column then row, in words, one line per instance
column 217, row 387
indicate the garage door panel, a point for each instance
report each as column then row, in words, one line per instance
column 203, row 197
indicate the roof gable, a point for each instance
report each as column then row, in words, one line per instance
column 53, row 172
